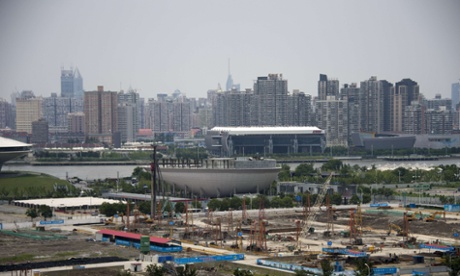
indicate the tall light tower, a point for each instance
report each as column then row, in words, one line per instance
column 153, row 194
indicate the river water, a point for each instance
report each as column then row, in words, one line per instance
column 114, row 171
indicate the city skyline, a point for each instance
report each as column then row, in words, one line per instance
column 159, row 46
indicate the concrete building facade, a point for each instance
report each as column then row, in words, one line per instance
column 101, row 115
column 28, row 109
column 40, row 132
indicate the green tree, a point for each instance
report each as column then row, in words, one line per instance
column 285, row 173
column 336, row 199
column 45, row 211
column 363, row 267
column 225, row 204
column 144, row 207
column 327, row 268
column 155, row 270
column 332, row 165
column 276, row 202
column 188, row 270
column 236, row 203
column 354, row 199
column 214, row 204
column 304, row 170
column 287, row 202
column 110, row 209
column 32, row 213
column 179, row 208
column 242, row 272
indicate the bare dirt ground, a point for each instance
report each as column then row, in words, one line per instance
column 78, row 244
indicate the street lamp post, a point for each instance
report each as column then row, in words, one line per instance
column 368, row 269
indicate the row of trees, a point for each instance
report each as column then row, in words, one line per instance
column 44, row 211
column 348, row 174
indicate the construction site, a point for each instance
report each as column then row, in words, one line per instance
column 387, row 235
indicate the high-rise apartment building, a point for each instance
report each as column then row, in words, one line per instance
column 455, row 95
column 40, row 132
column 71, row 83
column 76, row 122
column 101, row 115
column 161, row 116
column 56, row 109
column 439, row 121
column 271, row 100
column 414, row 118
column 375, row 105
column 327, row 88
column 438, row 103
column 181, row 116
column 299, row 110
column 351, row 94
column 128, row 115
column 233, row 108
column 402, row 95
column 332, row 112
column 28, row 109
column 6, row 115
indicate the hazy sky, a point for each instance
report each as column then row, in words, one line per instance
column 159, row 46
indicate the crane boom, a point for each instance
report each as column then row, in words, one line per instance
column 311, row 216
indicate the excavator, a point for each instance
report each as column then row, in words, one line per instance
column 413, row 216
column 399, row 231
column 432, row 216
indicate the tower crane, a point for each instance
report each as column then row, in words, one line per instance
column 311, row 216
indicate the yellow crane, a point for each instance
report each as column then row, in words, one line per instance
column 311, row 216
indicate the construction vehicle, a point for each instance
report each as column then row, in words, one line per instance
column 432, row 216
column 109, row 221
column 413, row 216
column 399, row 231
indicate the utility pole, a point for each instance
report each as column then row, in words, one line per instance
column 153, row 170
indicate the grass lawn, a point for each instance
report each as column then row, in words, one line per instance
column 16, row 185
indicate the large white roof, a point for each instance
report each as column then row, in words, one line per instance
column 6, row 143
column 270, row 130
column 67, row 201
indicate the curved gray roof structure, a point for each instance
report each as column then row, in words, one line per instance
column 222, row 177
column 10, row 149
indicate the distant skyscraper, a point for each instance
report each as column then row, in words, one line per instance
column 375, row 105
column 455, row 95
column 229, row 84
column 351, row 94
column 271, row 99
column 40, row 132
column 101, row 114
column 6, row 115
column 128, row 115
column 76, row 122
column 56, row 109
column 439, row 121
column 402, row 95
column 233, row 108
column 327, row 87
column 414, row 118
column 181, row 116
column 78, row 85
column 299, row 109
column 332, row 112
column 28, row 109
column 71, row 83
